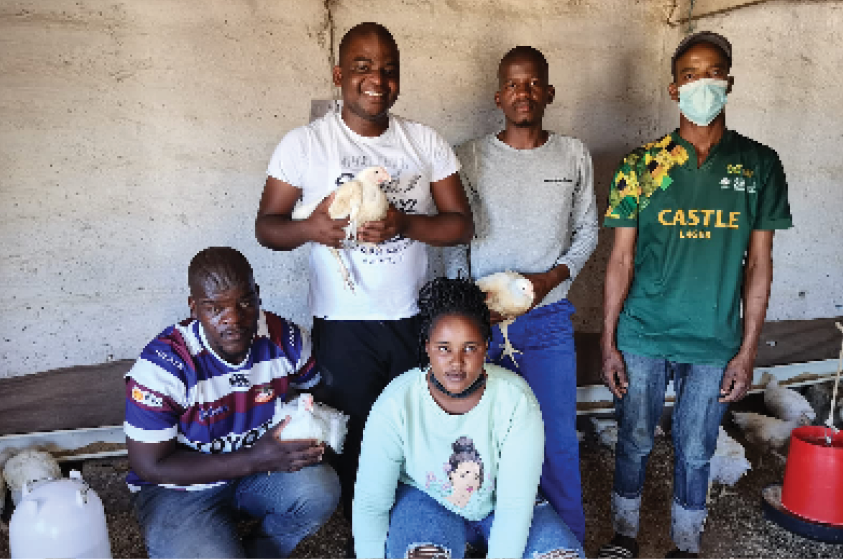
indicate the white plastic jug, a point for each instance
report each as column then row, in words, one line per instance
column 61, row 518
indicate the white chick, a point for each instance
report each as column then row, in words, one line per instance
column 729, row 462
column 607, row 431
column 770, row 433
column 311, row 420
column 509, row 294
column 783, row 402
column 360, row 200
column 29, row 466
column 304, row 423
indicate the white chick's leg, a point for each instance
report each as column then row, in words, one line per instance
column 724, row 491
column 346, row 276
column 508, row 349
column 708, row 494
column 353, row 218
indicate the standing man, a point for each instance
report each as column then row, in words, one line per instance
column 533, row 202
column 687, row 286
column 367, row 337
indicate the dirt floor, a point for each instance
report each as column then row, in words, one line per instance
column 735, row 527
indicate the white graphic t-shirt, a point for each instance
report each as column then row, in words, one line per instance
column 326, row 153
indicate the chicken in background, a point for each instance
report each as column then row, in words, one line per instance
column 361, row 200
column 311, row 420
column 769, row 433
column 28, row 466
column 510, row 295
column 783, row 402
column 606, row 431
column 819, row 396
column 728, row 464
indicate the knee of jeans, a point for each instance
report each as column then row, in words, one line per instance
column 318, row 491
column 327, row 498
column 636, row 441
column 693, row 452
column 427, row 551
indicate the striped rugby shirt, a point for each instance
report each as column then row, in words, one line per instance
column 180, row 389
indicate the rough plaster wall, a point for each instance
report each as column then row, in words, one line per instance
column 134, row 134
column 787, row 94
column 137, row 133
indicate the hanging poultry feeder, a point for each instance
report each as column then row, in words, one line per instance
column 810, row 502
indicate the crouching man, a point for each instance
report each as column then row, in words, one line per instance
column 200, row 403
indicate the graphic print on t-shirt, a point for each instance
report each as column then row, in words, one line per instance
column 647, row 171
column 464, row 475
column 642, row 173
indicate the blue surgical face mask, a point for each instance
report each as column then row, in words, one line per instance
column 702, row 100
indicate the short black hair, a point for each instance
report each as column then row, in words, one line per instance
column 216, row 269
column 444, row 296
column 525, row 52
column 364, row 29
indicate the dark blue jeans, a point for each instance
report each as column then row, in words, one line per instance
column 419, row 524
column 548, row 363
column 204, row 523
column 696, row 418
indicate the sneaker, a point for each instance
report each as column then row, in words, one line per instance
column 623, row 547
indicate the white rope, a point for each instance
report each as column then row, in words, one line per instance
column 830, row 421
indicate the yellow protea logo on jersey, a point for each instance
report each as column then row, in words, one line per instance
column 644, row 171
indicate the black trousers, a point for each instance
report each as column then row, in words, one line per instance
column 357, row 359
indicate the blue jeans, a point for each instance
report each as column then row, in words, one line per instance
column 696, row 419
column 203, row 523
column 549, row 365
column 419, row 524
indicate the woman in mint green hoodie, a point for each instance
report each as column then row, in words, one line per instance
column 452, row 450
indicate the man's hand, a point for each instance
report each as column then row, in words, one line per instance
column 737, row 379
column 286, row 456
column 495, row 317
column 395, row 223
column 541, row 287
column 614, row 371
column 323, row 229
column 543, row 283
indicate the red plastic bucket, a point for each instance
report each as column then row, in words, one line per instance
column 813, row 476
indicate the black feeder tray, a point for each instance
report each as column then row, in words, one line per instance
column 771, row 504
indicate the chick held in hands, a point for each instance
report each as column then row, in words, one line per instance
column 510, row 295
column 311, row 420
column 361, row 200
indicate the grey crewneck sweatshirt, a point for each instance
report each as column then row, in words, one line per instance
column 533, row 208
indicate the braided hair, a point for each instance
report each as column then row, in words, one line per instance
column 444, row 296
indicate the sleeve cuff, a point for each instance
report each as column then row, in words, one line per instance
column 616, row 222
column 769, row 224
column 147, row 436
column 573, row 270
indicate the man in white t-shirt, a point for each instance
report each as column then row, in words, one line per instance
column 366, row 337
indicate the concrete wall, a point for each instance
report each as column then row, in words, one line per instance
column 136, row 133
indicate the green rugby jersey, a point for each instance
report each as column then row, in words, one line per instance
column 693, row 225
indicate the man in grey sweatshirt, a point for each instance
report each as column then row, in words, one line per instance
column 535, row 213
